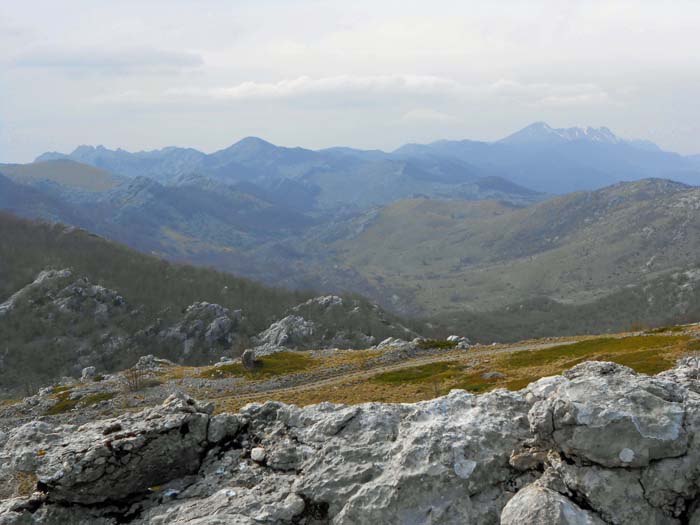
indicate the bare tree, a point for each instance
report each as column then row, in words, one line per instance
column 133, row 379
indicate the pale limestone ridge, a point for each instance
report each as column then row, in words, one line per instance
column 598, row 444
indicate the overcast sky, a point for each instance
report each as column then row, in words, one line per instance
column 372, row 74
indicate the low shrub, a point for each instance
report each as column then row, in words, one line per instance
column 440, row 344
column 278, row 364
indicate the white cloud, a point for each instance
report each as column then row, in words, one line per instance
column 341, row 84
column 550, row 94
column 427, row 115
column 362, row 73
column 125, row 59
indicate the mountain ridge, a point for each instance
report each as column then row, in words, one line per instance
column 535, row 157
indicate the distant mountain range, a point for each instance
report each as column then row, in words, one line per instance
column 309, row 180
column 563, row 160
column 538, row 157
column 438, row 229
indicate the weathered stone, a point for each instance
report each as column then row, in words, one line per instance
column 290, row 332
column 223, row 427
column 88, row 374
column 536, row 505
column 248, row 359
column 258, row 454
column 89, row 468
column 605, row 414
column 502, row 457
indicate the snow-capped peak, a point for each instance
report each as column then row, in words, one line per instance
column 542, row 132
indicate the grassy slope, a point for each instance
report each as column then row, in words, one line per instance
column 450, row 255
column 163, row 288
column 649, row 353
column 65, row 172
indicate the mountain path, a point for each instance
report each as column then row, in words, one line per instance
column 346, row 377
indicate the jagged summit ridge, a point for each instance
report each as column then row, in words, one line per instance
column 543, row 132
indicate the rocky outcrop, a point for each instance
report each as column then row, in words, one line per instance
column 88, row 326
column 329, row 322
column 207, row 327
column 57, row 291
column 599, row 444
column 291, row 332
column 41, row 280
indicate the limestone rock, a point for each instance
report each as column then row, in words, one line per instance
column 41, row 279
column 223, row 427
column 608, row 415
column 88, row 374
column 257, row 454
column 248, row 359
column 290, row 332
column 536, row 505
column 115, row 459
column 555, row 452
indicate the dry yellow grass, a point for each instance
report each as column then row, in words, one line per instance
column 646, row 354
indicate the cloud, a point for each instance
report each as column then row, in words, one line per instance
column 547, row 94
column 130, row 59
column 543, row 94
column 341, row 85
column 427, row 115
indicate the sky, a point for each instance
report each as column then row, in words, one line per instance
column 369, row 74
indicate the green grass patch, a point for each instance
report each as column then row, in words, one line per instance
column 591, row 348
column 519, row 384
column 475, row 383
column 444, row 377
column 64, row 404
column 644, row 361
column 693, row 345
column 61, row 389
column 278, row 364
column 419, row 374
column 219, row 372
column 440, row 344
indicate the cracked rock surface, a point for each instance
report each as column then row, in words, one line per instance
column 599, row 444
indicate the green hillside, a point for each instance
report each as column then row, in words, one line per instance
column 162, row 288
column 455, row 256
column 65, row 172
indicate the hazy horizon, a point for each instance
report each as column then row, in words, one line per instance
column 318, row 74
column 388, row 151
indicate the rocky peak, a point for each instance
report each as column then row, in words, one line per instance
column 541, row 132
column 42, row 280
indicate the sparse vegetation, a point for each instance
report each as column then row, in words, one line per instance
column 419, row 374
column 65, row 404
column 603, row 346
column 133, row 379
column 281, row 363
column 442, row 344
column 26, row 483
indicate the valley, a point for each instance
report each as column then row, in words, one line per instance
column 503, row 264
column 349, row 263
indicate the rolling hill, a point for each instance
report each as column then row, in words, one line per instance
column 448, row 256
column 65, row 172
column 70, row 299
column 326, row 180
